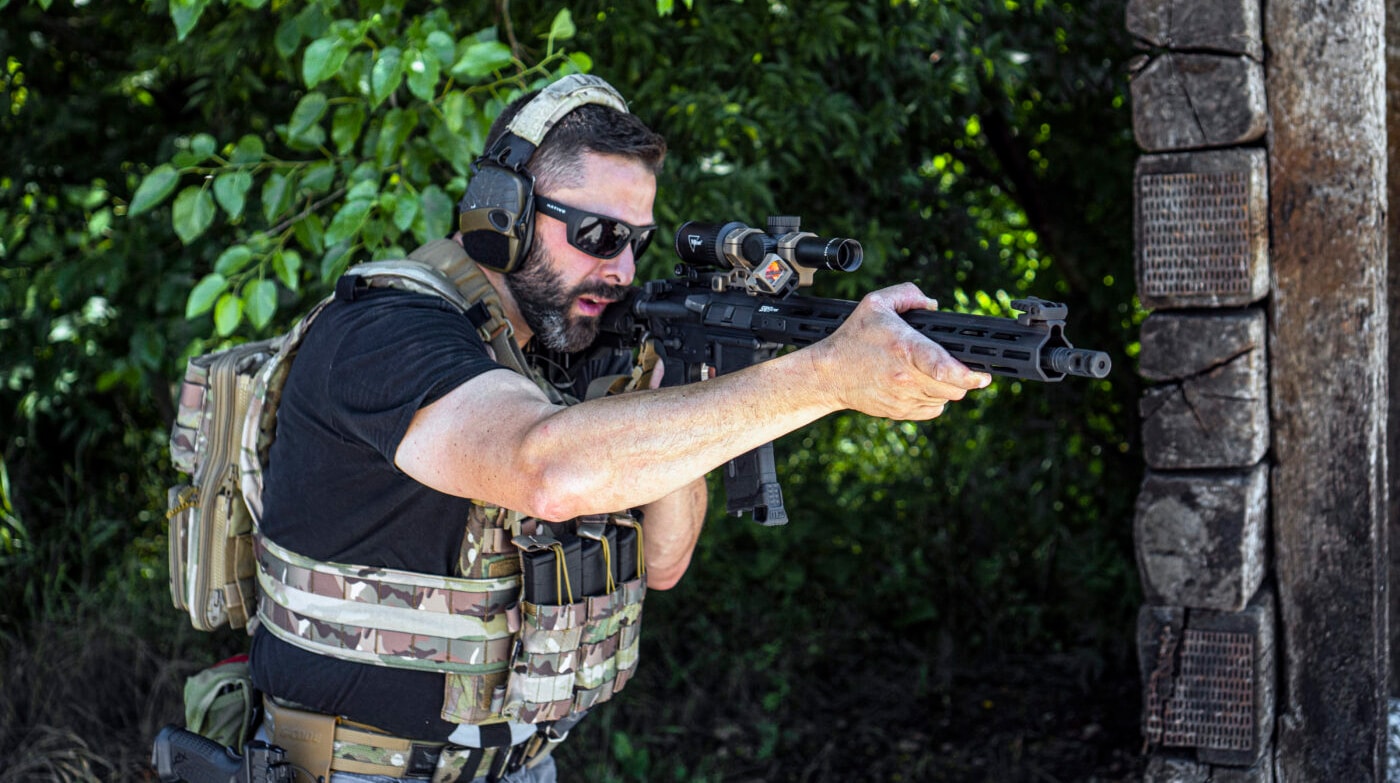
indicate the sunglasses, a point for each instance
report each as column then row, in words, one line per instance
column 597, row 235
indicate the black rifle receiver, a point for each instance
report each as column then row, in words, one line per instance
column 732, row 304
column 179, row 755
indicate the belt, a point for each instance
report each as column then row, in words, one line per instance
column 321, row 743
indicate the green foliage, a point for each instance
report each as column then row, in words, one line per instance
column 981, row 149
column 390, row 110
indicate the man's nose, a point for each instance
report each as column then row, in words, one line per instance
column 620, row 269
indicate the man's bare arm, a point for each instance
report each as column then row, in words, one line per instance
column 498, row 439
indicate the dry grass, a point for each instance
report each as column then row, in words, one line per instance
column 80, row 700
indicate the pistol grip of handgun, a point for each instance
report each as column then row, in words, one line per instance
column 180, row 755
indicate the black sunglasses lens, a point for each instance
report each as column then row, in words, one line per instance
column 601, row 237
column 641, row 241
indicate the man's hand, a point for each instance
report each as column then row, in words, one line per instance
column 877, row 364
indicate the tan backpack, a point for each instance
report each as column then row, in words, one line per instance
column 226, row 422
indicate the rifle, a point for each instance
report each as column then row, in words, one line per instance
column 180, row 755
column 732, row 305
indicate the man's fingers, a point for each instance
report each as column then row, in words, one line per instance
column 903, row 298
column 932, row 360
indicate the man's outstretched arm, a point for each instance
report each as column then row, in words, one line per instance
column 498, row 439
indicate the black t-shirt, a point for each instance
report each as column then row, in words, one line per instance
column 332, row 491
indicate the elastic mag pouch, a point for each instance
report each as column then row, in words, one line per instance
column 578, row 651
column 541, row 683
column 611, row 637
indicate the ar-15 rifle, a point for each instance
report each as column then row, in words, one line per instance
column 732, row 305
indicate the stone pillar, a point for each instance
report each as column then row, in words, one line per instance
column 1262, row 253
column 1206, row 636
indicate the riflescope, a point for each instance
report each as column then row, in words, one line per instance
column 734, row 244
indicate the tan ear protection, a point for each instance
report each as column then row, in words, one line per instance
column 497, row 213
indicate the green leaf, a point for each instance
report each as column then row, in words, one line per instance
column 204, row 293
column 443, row 48
column 288, row 37
column 185, row 14
column 193, row 213
column 227, row 313
column 364, row 190
column 347, row 222
column 322, row 60
column 386, row 75
column 311, row 233
column 307, row 114
column 233, row 260
column 580, row 62
column 318, row 178
column 423, row 73
column 155, row 187
column 260, row 298
column 231, row 191
column 454, row 110
column 346, row 124
column 333, row 263
column 406, row 206
column 276, row 195
column 398, row 125
column 203, row 146
column 372, row 232
column 248, row 150
column 286, row 264
column 562, row 28
column 434, row 215
column 480, row 59
column 454, row 148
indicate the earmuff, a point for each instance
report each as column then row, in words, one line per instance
column 497, row 213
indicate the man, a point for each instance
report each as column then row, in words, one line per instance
column 397, row 423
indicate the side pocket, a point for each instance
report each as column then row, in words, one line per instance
column 183, row 510
column 189, row 425
column 474, row 698
column 221, row 703
column 542, row 671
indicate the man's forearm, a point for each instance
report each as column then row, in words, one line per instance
column 618, row 451
column 671, row 528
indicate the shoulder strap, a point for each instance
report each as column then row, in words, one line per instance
column 260, row 420
column 444, row 269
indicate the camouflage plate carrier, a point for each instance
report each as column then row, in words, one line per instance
column 504, row 658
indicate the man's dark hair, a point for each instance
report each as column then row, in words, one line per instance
column 589, row 128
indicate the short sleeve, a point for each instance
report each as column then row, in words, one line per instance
column 396, row 352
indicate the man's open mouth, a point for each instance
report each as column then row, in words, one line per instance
column 592, row 305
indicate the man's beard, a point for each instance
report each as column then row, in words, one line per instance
column 545, row 305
